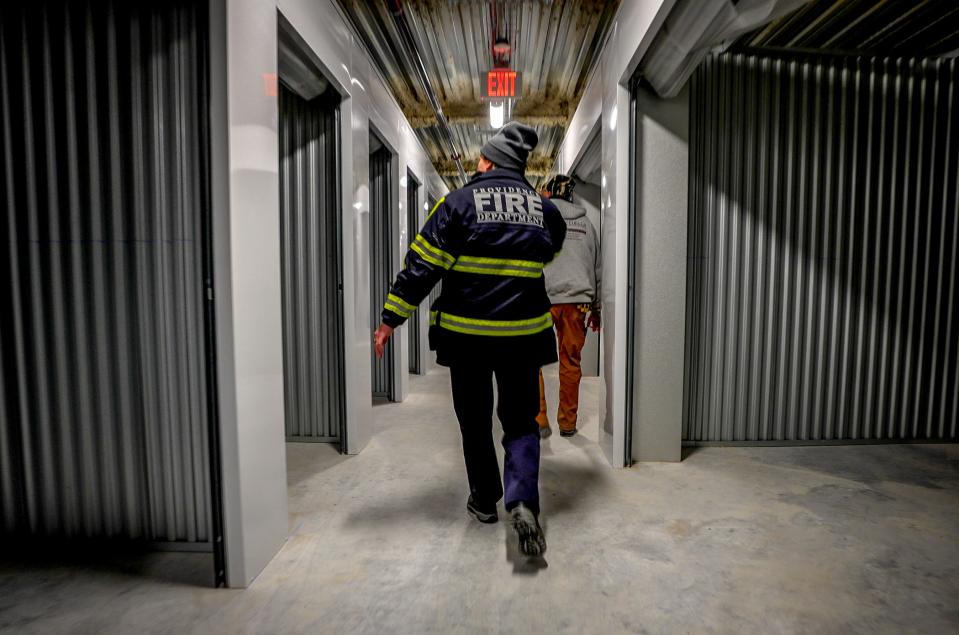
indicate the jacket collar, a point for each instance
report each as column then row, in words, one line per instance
column 501, row 174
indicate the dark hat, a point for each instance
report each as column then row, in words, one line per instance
column 561, row 186
column 510, row 147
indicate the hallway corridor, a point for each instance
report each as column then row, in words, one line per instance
column 239, row 231
column 827, row 540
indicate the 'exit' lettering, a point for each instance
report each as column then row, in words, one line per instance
column 503, row 83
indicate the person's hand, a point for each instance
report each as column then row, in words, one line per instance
column 380, row 338
column 594, row 321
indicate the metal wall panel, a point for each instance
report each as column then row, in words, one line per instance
column 105, row 416
column 311, row 267
column 413, row 227
column 381, row 256
column 823, row 243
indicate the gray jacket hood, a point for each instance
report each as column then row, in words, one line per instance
column 569, row 210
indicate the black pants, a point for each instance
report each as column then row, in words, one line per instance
column 518, row 389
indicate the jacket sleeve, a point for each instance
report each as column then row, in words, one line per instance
column 432, row 253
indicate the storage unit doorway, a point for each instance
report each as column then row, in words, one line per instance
column 311, row 249
column 412, row 228
column 108, row 413
column 382, row 160
column 823, row 242
column 587, row 173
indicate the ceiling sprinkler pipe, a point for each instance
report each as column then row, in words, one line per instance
column 412, row 49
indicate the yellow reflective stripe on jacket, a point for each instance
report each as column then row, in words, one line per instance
column 433, row 249
column 433, row 315
column 435, row 207
column 395, row 299
column 428, row 258
column 389, row 306
column 482, row 260
column 499, row 266
column 431, row 253
column 496, row 328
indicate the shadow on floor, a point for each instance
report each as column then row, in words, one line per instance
column 132, row 560
column 587, row 444
column 306, row 460
column 688, row 451
column 438, row 503
column 563, row 486
column 930, row 466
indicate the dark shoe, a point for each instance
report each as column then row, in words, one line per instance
column 532, row 542
column 545, row 433
column 484, row 516
column 568, row 433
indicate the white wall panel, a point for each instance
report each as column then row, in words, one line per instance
column 248, row 280
column 247, row 284
column 607, row 97
column 661, row 148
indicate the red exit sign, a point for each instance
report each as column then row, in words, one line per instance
column 502, row 83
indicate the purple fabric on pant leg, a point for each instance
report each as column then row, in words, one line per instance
column 521, row 471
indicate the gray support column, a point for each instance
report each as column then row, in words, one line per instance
column 246, row 233
column 661, row 173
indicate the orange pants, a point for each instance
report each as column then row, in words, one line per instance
column 570, row 323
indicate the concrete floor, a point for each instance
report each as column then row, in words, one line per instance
column 761, row 540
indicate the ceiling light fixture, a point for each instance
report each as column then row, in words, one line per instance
column 496, row 114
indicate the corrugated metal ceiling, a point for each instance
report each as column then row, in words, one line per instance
column 899, row 28
column 554, row 45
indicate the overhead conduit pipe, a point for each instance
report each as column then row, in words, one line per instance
column 694, row 28
column 413, row 52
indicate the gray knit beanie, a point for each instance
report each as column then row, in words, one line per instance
column 510, row 147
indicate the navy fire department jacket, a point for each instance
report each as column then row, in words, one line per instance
column 488, row 242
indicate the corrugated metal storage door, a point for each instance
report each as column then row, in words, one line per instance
column 822, row 299
column 311, row 252
column 413, row 227
column 105, row 410
column 381, row 258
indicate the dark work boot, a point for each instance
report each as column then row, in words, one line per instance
column 487, row 516
column 532, row 542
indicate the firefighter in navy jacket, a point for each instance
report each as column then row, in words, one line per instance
column 489, row 242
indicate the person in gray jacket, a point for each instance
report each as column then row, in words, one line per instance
column 573, row 283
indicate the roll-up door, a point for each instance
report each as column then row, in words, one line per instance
column 822, row 290
column 381, row 261
column 311, row 265
column 106, row 413
column 413, row 227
